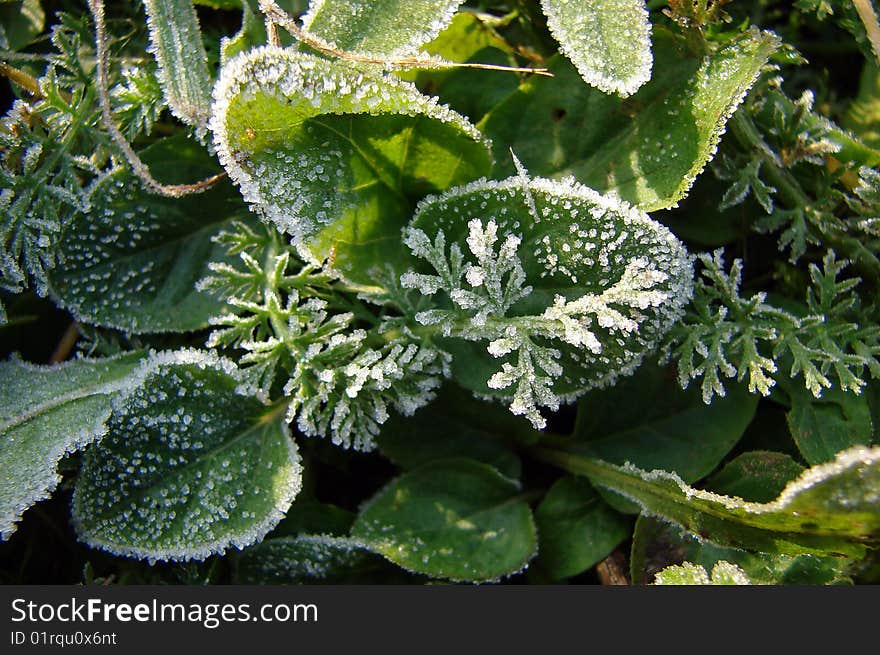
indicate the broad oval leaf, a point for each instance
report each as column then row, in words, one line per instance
column 649, row 148
column 391, row 28
column 455, row 519
column 621, row 278
column 133, row 259
column 674, row 430
column 47, row 412
column 830, row 509
column 189, row 466
column 576, row 528
column 608, row 41
column 336, row 155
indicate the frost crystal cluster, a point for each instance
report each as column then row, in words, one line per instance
column 626, row 279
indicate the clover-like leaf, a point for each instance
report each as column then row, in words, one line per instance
column 648, row 148
column 566, row 288
column 830, row 509
column 189, row 466
column 454, row 518
column 379, row 27
column 336, row 155
column 47, row 412
column 608, row 42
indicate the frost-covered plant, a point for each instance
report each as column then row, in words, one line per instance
column 456, row 237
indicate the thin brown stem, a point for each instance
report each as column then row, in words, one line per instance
column 277, row 15
column 66, row 344
column 140, row 169
column 868, row 16
column 22, row 79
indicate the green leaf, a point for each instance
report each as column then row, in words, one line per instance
column 648, row 148
column 657, row 545
column 580, row 253
column 831, row 509
column 381, row 27
column 759, row 476
column 133, row 260
column 189, row 466
column 673, row 429
column 863, row 115
column 822, row 427
column 336, row 156
column 609, row 42
column 446, row 428
column 176, row 42
column 47, row 412
column 21, row 21
column 576, row 528
column 455, row 519
column 310, row 559
column 311, row 517
column 723, row 573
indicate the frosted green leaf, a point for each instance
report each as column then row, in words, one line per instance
column 308, row 559
column 608, row 41
column 336, row 156
column 381, row 27
column 687, row 573
column 176, row 42
column 454, row 518
column 566, row 289
column 132, row 260
column 650, row 148
column 830, row 509
column 47, row 412
column 189, row 466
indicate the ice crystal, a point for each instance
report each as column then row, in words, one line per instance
column 687, row 573
column 608, row 42
column 388, row 28
column 296, row 173
column 189, row 465
column 627, row 278
column 727, row 335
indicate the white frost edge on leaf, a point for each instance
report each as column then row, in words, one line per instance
column 192, row 111
column 80, row 439
column 843, row 461
column 719, row 128
column 642, row 49
column 288, row 488
column 431, row 31
column 293, row 75
column 569, row 188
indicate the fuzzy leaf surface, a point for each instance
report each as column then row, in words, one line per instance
column 189, row 466
column 608, row 42
column 381, row 27
column 47, row 412
column 648, row 148
column 456, row 519
column 176, row 42
column 133, row 260
column 335, row 156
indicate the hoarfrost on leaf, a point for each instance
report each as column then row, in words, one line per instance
column 189, row 465
column 609, row 42
column 687, row 573
column 47, row 412
column 605, row 282
column 391, row 28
